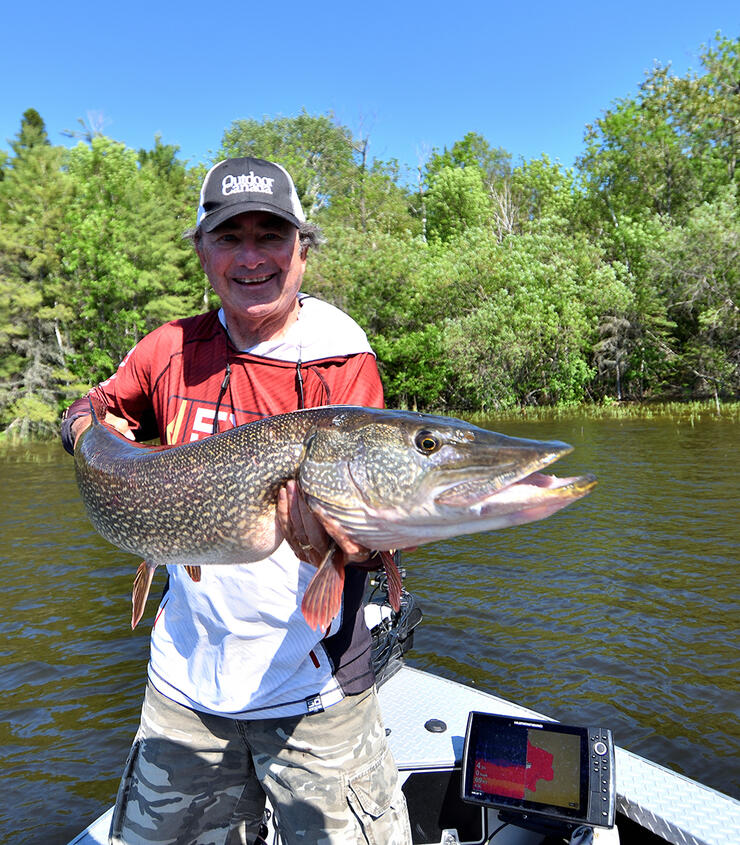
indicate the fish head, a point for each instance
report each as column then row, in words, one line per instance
column 396, row 479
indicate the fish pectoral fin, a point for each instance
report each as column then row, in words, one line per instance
column 394, row 580
column 323, row 598
column 193, row 572
column 142, row 584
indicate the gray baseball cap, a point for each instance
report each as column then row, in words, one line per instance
column 235, row 185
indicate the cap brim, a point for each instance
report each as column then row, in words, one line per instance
column 209, row 223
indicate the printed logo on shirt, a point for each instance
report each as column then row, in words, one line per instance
column 314, row 704
column 193, row 421
column 203, row 424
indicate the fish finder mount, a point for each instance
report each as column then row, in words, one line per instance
column 545, row 776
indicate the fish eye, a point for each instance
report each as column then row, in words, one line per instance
column 427, row 443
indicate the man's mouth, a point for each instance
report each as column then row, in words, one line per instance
column 252, row 280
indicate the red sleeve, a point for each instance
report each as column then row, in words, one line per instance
column 126, row 394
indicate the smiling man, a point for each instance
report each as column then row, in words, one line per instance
column 243, row 698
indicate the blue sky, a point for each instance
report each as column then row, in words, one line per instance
column 412, row 76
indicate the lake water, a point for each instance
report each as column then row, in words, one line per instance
column 621, row 610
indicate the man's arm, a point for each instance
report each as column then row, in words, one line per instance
column 355, row 381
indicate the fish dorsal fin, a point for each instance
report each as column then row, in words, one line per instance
column 193, row 572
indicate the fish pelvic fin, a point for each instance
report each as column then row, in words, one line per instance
column 142, row 584
column 323, row 598
column 393, row 579
column 193, row 572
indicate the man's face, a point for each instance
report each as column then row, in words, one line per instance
column 255, row 265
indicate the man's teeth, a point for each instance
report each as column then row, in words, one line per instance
column 252, row 280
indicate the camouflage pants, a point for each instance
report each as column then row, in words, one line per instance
column 195, row 779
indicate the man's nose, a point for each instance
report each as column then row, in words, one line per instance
column 250, row 253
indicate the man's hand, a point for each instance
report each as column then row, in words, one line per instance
column 309, row 535
column 119, row 423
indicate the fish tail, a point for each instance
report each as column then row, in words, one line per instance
column 323, row 598
column 142, row 583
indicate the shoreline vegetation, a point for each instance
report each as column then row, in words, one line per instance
column 690, row 411
column 488, row 287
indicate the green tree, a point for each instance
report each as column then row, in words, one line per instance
column 636, row 160
column 697, row 268
column 123, row 255
column 473, row 150
column 709, row 117
column 378, row 279
column 31, row 134
column 636, row 350
column 33, row 310
column 673, row 145
column 374, row 201
column 545, row 191
column 415, row 369
column 162, row 160
column 456, row 201
column 367, row 274
column 337, row 181
column 528, row 339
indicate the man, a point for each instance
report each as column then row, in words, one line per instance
column 243, row 698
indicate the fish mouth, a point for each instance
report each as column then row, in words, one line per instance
column 516, row 475
column 534, row 491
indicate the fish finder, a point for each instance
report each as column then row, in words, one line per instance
column 539, row 774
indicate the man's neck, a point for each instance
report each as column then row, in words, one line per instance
column 245, row 336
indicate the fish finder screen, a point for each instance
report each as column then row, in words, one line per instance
column 539, row 767
column 533, row 765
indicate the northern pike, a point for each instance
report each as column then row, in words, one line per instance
column 389, row 479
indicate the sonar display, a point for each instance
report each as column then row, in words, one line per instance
column 531, row 765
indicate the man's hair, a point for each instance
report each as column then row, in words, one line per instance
column 309, row 235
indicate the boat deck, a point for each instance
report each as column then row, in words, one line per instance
column 658, row 799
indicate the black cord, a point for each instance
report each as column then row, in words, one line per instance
column 299, row 382
column 498, row 830
column 224, row 385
